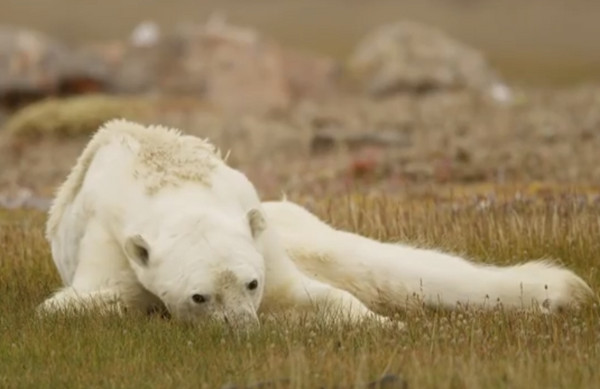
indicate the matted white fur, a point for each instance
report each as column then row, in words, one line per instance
column 150, row 218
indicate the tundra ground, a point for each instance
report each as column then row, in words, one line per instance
column 438, row 349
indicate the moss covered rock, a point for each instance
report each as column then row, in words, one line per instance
column 73, row 117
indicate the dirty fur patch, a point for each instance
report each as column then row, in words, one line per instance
column 164, row 157
column 164, row 160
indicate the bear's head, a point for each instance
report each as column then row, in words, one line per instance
column 202, row 265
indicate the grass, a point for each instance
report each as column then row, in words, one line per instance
column 72, row 117
column 438, row 349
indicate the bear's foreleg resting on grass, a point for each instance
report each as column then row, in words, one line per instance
column 289, row 289
column 70, row 300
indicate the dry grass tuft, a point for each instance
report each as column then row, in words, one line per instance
column 72, row 117
column 438, row 349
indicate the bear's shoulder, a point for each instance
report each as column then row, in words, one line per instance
column 162, row 157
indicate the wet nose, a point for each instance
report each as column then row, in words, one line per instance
column 246, row 320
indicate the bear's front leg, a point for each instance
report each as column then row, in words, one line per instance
column 69, row 300
column 336, row 304
column 287, row 288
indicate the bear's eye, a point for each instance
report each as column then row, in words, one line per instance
column 199, row 299
column 252, row 285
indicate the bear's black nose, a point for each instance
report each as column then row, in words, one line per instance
column 199, row 298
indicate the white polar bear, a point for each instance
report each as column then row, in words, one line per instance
column 152, row 219
column 149, row 218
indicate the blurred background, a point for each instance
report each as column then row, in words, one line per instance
column 311, row 97
column 532, row 41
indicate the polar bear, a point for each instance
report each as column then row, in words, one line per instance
column 151, row 219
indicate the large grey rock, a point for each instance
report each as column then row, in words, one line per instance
column 33, row 65
column 234, row 67
column 408, row 56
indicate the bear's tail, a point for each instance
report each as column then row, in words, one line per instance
column 385, row 275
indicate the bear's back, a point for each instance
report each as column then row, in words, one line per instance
column 155, row 157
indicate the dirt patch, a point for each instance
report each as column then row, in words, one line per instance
column 440, row 138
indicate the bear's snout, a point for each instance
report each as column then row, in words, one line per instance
column 239, row 321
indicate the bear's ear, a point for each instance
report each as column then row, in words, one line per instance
column 137, row 249
column 257, row 222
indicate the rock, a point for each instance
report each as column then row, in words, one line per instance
column 85, row 72
column 229, row 66
column 411, row 57
column 34, row 66
column 243, row 71
column 31, row 65
column 310, row 76
column 328, row 138
column 233, row 67
column 145, row 34
column 71, row 117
